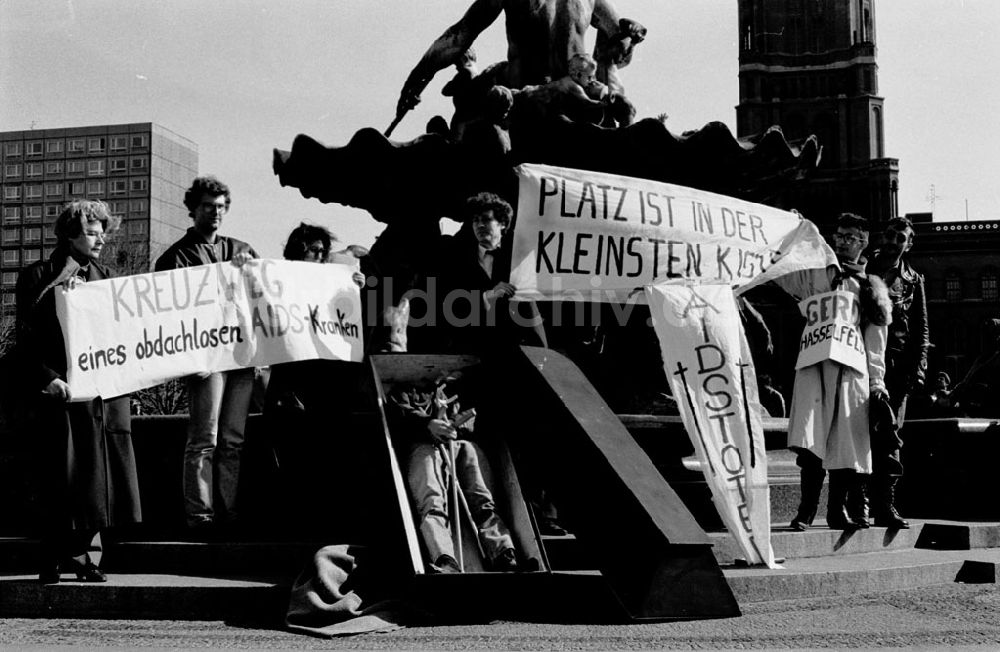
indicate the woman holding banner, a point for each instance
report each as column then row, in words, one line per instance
column 86, row 463
column 307, row 408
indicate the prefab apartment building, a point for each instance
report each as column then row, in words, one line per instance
column 141, row 170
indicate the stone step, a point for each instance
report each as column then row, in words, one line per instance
column 566, row 553
column 862, row 573
column 280, row 558
column 20, row 555
column 577, row 596
column 821, row 542
column 540, row 597
column 147, row 596
column 952, row 535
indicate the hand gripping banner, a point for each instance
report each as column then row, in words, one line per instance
column 711, row 373
column 129, row 333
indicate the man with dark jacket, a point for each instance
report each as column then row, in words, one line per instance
column 475, row 287
column 219, row 401
column 906, row 359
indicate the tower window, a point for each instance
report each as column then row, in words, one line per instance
column 877, row 138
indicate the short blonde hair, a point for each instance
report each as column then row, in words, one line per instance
column 77, row 214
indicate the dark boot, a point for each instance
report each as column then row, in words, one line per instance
column 857, row 500
column 836, row 508
column 885, row 505
column 811, row 484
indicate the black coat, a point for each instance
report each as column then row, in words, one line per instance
column 461, row 285
column 909, row 335
column 86, row 462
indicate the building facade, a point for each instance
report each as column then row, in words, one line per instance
column 141, row 170
column 962, row 272
column 809, row 67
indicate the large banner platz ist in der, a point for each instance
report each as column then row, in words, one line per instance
column 132, row 332
column 591, row 236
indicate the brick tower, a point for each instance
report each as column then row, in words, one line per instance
column 809, row 67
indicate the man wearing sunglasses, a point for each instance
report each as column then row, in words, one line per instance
column 828, row 423
column 906, row 355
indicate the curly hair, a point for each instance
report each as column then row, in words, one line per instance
column 77, row 214
column 488, row 201
column 304, row 235
column 204, row 186
column 852, row 221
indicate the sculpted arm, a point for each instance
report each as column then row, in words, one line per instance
column 616, row 39
column 447, row 49
column 605, row 18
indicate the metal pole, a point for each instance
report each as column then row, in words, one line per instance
column 455, row 509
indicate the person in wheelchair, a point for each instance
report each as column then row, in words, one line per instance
column 439, row 431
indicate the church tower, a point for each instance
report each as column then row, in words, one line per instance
column 809, row 67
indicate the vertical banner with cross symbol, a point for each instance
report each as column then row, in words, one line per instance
column 707, row 360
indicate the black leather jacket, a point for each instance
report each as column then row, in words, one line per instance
column 909, row 336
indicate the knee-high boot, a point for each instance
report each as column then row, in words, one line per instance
column 857, row 500
column 885, row 504
column 836, row 508
column 811, row 484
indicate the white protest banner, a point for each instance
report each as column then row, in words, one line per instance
column 708, row 363
column 832, row 331
column 584, row 235
column 128, row 333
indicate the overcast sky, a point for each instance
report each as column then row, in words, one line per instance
column 240, row 77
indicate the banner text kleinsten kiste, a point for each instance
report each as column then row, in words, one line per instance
column 577, row 231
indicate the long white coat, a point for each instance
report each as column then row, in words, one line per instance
column 829, row 412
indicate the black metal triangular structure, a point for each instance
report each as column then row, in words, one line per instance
column 645, row 542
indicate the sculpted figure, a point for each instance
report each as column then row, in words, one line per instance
column 480, row 105
column 578, row 95
column 542, row 36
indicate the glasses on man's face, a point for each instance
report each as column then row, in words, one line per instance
column 317, row 251
column 848, row 238
column 896, row 236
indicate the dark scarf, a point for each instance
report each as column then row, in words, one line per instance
column 847, row 270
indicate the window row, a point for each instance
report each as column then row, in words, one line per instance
column 75, row 188
column 34, row 234
column 12, row 257
column 93, row 144
column 94, row 167
column 13, row 214
column 989, row 287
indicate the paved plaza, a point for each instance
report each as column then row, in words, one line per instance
column 945, row 616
